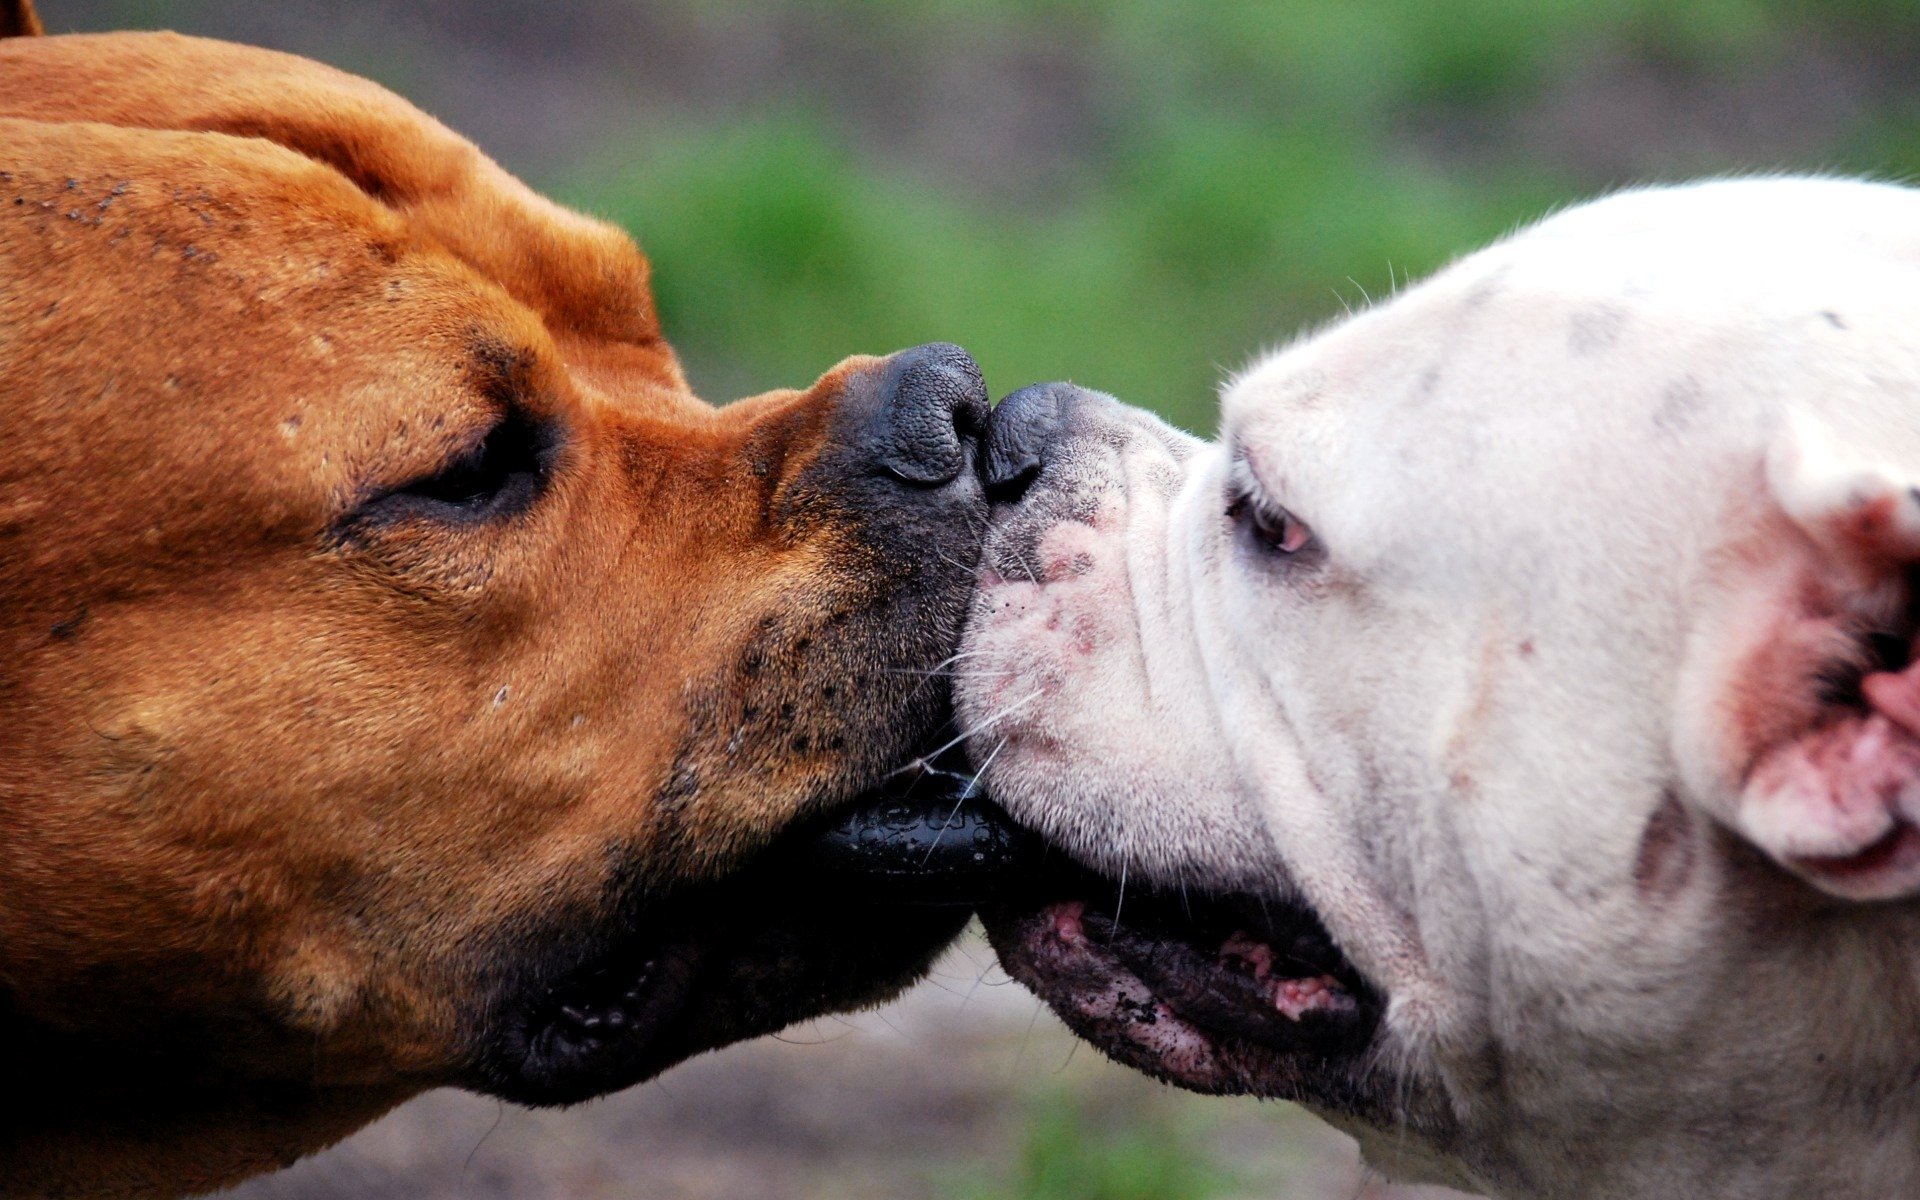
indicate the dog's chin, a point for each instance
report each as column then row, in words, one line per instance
column 842, row 912
column 1219, row 994
column 753, row 961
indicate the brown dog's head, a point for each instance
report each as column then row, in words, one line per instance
column 403, row 671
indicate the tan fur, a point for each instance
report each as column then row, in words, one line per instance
column 265, row 779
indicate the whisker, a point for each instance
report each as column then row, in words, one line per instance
column 1021, row 1053
column 941, row 667
column 1033, row 576
column 922, row 763
column 975, row 781
column 966, row 794
column 499, row 1115
column 1073, row 1047
column 977, row 981
column 954, row 562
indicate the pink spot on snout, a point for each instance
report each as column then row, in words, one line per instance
column 1248, row 953
column 1295, row 998
column 1835, row 806
column 1068, row 923
column 1069, row 565
column 1086, row 633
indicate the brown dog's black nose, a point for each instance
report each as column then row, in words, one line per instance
column 932, row 410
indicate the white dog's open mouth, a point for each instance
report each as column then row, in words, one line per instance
column 1216, row 995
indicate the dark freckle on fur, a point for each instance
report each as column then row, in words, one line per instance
column 838, row 743
column 829, row 692
column 786, row 711
column 1833, row 318
column 1679, row 404
column 1305, row 387
column 801, row 645
column 1071, row 568
column 1486, row 289
column 1595, row 328
column 63, row 630
column 1667, row 851
column 1526, row 648
column 800, row 743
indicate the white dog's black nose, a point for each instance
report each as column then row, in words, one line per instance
column 1023, row 428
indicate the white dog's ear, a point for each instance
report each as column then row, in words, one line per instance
column 1839, row 804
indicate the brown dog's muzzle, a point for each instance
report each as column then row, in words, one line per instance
column 705, row 935
column 408, row 680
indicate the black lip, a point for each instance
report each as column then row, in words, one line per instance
column 840, row 911
column 1147, row 965
column 935, row 840
column 1171, row 944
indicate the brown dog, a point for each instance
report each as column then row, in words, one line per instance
column 402, row 670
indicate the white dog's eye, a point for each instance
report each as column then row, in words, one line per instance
column 1271, row 527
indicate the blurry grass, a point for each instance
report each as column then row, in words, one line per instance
column 1070, row 1150
column 776, row 251
column 1255, row 183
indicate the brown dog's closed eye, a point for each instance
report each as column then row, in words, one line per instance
column 407, row 676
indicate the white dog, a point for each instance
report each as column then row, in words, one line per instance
column 1518, row 697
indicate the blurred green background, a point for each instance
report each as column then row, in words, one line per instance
column 1137, row 195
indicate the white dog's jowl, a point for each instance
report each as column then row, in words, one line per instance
column 1504, row 737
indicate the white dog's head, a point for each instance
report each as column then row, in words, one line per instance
column 1517, row 697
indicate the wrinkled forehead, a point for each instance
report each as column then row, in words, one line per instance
column 1650, row 319
column 1633, row 366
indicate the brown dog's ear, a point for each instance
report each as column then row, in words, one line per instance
column 17, row 19
column 1840, row 804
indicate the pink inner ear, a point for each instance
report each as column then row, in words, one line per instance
column 1840, row 806
column 1839, row 802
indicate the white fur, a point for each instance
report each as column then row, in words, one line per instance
column 1557, row 524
